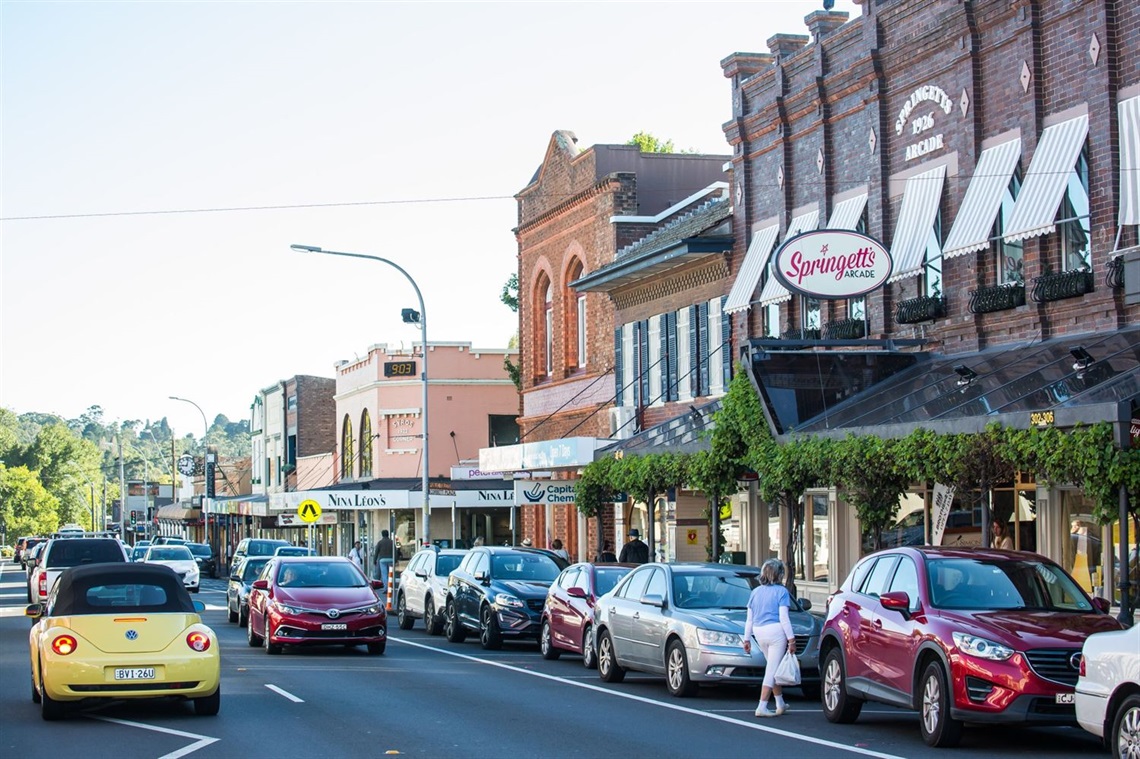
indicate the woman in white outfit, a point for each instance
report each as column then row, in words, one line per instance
column 769, row 624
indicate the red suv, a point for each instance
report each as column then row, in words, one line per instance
column 959, row 635
column 568, row 615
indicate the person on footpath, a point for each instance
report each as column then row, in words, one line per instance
column 355, row 555
column 607, row 553
column 768, row 622
column 556, row 547
column 385, row 550
column 635, row 551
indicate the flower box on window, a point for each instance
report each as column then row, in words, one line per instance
column 801, row 334
column 985, row 300
column 924, row 308
column 1114, row 278
column 1061, row 285
column 846, row 329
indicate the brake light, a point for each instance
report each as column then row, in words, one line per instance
column 64, row 645
column 43, row 584
column 198, row 641
column 1082, row 669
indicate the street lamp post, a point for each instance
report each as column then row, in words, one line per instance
column 207, row 470
column 423, row 373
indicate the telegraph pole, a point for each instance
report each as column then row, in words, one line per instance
column 122, row 489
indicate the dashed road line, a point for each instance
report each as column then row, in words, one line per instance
column 285, row 693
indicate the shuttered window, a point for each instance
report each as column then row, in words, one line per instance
column 702, row 314
column 619, row 374
column 726, row 350
column 656, row 397
column 716, row 348
column 669, row 344
column 684, row 356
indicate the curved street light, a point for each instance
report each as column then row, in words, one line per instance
column 423, row 374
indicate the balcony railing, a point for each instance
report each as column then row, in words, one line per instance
column 1114, row 278
column 846, row 329
column 1061, row 285
column 924, row 308
column 985, row 300
column 801, row 334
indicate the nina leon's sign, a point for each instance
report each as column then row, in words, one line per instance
column 831, row 264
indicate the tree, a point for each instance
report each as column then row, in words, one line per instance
column 26, row 507
column 873, row 478
column 647, row 143
column 510, row 298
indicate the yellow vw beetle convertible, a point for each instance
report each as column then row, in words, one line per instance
column 113, row 631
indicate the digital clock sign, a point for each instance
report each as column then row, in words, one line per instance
column 399, row 368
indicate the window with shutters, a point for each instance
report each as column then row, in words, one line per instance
column 701, row 350
column 716, row 347
column 629, row 392
column 669, row 351
column 619, row 368
column 656, row 397
column 643, row 365
column 684, row 357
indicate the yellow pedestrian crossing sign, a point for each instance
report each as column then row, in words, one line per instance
column 309, row 511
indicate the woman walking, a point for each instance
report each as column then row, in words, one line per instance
column 769, row 624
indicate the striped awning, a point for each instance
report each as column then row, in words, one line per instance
column 1129, row 161
column 1056, row 155
column 805, row 222
column 755, row 261
column 774, row 291
column 921, row 197
column 847, row 213
column 983, row 198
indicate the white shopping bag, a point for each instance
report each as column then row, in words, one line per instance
column 788, row 673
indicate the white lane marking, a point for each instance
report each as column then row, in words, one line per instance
column 202, row 742
column 285, row 693
column 652, row 702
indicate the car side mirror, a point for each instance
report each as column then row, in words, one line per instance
column 261, row 584
column 377, row 584
column 1102, row 605
column 35, row 611
column 804, row 603
column 575, row 592
column 199, row 607
column 482, row 577
column 421, row 575
column 654, row 600
column 896, row 600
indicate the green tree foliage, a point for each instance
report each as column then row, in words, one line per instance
column 510, row 298
column 647, row 143
column 873, row 478
column 26, row 506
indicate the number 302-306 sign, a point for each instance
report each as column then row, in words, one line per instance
column 399, row 368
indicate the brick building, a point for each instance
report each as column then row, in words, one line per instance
column 993, row 146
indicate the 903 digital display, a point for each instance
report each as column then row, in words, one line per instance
column 399, row 368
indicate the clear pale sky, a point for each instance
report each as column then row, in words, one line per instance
column 428, row 116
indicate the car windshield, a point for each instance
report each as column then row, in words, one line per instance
column 524, row 566
column 605, row 578
column 72, row 553
column 446, row 564
column 319, row 575
column 252, row 568
column 200, row 549
column 984, row 584
column 712, row 590
column 169, row 553
column 263, row 547
column 138, row 552
column 292, row 551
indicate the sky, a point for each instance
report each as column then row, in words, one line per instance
column 158, row 159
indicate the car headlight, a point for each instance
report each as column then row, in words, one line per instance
column 718, row 638
column 981, row 648
column 372, row 610
column 284, row 609
column 506, row 599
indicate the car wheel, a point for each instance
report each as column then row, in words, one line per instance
column 243, row 616
column 452, row 627
column 406, row 620
column 251, row 637
column 50, row 709
column 546, row 643
column 677, row 671
column 608, row 668
column 939, row 729
column 1124, row 739
column 838, row 705
column 231, row 615
column 208, row 706
column 433, row 623
column 490, row 636
column 376, row 649
column 271, row 648
column 35, row 692
column 589, row 649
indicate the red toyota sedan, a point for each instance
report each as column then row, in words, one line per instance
column 568, row 614
column 315, row 600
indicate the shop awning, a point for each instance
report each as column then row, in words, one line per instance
column 805, row 222
column 920, row 201
column 685, row 433
column 755, row 261
column 847, row 213
column 983, row 199
column 1129, row 161
column 774, row 291
column 176, row 513
column 1056, row 155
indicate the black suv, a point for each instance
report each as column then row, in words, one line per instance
column 499, row 593
column 204, row 558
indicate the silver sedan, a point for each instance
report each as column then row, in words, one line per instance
column 686, row 622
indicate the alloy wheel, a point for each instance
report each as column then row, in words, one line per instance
column 832, row 682
column 931, row 704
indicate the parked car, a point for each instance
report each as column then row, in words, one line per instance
column 423, row 585
column 138, row 553
column 498, row 593
column 32, row 558
column 121, row 631
column 568, row 615
column 959, row 635
column 204, row 558
column 319, row 600
column 24, row 547
column 686, row 622
column 245, row 571
column 258, row 547
column 58, row 554
column 294, row 551
column 1108, row 690
column 169, row 540
column 178, row 558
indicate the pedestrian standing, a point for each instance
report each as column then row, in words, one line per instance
column 767, row 621
column 607, row 553
column 635, row 551
column 556, row 547
column 385, row 549
column 356, row 556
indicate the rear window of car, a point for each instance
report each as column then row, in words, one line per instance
column 605, row 578
column 263, row 547
column 200, row 549
column 125, row 596
column 169, row 553
column 73, row 552
column 445, row 565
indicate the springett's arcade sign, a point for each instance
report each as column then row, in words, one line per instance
column 831, row 264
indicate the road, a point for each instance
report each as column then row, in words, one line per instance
column 428, row 698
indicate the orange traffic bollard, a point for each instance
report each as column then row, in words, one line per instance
column 391, row 579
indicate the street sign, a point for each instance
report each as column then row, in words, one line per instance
column 309, row 511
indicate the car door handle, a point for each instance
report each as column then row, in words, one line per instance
column 637, row 615
column 877, row 624
column 612, row 609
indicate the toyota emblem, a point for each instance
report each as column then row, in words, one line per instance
column 1075, row 660
column 332, row 613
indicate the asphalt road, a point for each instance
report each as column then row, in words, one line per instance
column 426, row 697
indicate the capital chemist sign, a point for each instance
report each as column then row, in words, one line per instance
column 832, row 264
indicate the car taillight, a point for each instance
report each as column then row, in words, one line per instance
column 1082, row 668
column 43, row 583
column 64, row 645
column 199, row 641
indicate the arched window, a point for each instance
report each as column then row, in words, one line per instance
column 365, row 444
column 346, row 449
column 543, row 328
column 575, row 321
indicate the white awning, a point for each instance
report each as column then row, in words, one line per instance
column 983, row 199
column 1129, row 161
column 774, row 291
column 921, row 197
column 803, row 223
column 847, row 213
column 1044, row 186
column 755, row 260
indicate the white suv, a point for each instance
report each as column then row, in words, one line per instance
column 1108, row 691
column 60, row 553
column 423, row 588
